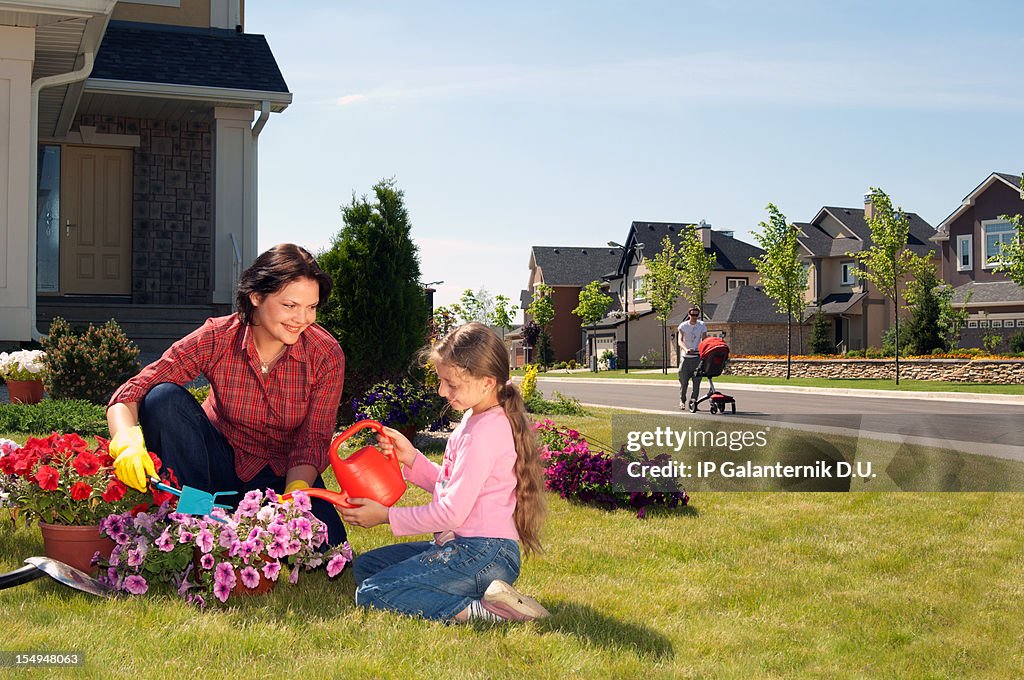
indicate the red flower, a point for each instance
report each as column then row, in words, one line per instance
column 116, row 490
column 47, row 477
column 159, row 497
column 141, row 507
column 86, row 464
column 80, row 491
column 157, row 463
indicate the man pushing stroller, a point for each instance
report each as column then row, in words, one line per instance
column 691, row 332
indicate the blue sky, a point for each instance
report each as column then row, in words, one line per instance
column 513, row 124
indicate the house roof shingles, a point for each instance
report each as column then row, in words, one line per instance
column 989, row 292
column 742, row 304
column 575, row 265
column 177, row 55
column 820, row 244
column 730, row 254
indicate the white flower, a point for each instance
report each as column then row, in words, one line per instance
column 26, row 364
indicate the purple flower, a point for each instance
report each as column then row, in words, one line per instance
column 221, row 591
column 250, row 505
column 277, row 549
column 293, row 577
column 303, row 527
column 144, row 521
column 164, row 542
column 227, row 538
column 250, row 577
column 301, row 501
column 271, row 570
column 206, row 561
column 225, row 574
column 336, row 564
column 134, row 558
column 197, row 599
column 136, row 585
column 185, row 537
column 204, row 539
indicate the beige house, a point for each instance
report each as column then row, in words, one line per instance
column 859, row 313
column 647, row 341
column 128, row 161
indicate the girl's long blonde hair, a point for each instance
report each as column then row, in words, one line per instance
column 478, row 351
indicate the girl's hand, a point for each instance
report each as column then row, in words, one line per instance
column 397, row 443
column 369, row 513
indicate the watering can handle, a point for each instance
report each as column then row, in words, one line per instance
column 356, row 427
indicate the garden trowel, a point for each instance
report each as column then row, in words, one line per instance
column 36, row 567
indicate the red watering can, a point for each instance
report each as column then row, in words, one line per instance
column 367, row 473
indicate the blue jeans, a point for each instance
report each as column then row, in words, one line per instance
column 432, row 581
column 176, row 429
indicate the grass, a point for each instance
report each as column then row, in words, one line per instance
column 853, row 384
column 737, row 585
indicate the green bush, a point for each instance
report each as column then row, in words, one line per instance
column 200, row 393
column 54, row 415
column 560, row 405
column 855, row 354
column 1017, row 343
column 992, row 342
column 88, row 365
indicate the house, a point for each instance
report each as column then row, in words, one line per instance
column 749, row 321
column 858, row 311
column 128, row 161
column 567, row 269
column 644, row 341
column 969, row 241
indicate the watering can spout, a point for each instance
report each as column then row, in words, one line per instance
column 367, row 473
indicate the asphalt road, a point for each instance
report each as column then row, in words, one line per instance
column 964, row 423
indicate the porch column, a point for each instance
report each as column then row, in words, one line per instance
column 17, row 52
column 234, row 199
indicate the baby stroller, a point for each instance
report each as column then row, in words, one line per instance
column 713, row 355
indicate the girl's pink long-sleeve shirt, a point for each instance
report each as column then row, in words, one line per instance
column 474, row 488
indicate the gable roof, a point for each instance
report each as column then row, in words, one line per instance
column 574, row 265
column 178, row 55
column 1013, row 181
column 731, row 254
column 819, row 243
column 745, row 304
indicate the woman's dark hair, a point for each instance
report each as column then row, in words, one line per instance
column 275, row 269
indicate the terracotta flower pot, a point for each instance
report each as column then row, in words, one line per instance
column 25, row 391
column 75, row 545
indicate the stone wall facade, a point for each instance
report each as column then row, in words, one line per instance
column 172, row 208
column 757, row 338
column 998, row 371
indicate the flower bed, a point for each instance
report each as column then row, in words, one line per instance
column 580, row 470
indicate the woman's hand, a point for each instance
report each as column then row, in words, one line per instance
column 369, row 513
column 396, row 442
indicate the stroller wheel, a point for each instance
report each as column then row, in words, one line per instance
column 693, row 406
column 714, row 408
column 734, row 407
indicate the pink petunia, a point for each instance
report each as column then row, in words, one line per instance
column 336, row 564
column 293, row 577
column 250, row 577
column 206, row 561
column 136, row 585
column 164, row 542
column 204, row 539
column 277, row 549
column 221, row 591
column 271, row 570
column 225, row 573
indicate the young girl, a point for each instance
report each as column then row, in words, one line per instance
column 488, row 499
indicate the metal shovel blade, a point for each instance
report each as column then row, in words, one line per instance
column 70, row 576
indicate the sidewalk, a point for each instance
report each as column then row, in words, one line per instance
column 1012, row 399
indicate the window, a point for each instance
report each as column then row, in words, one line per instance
column 638, row 288
column 983, row 324
column 963, row 253
column 996, row 323
column 735, row 282
column 1020, row 323
column 972, row 324
column 848, row 278
column 994, row 233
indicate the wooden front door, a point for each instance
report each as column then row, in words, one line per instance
column 96, row 221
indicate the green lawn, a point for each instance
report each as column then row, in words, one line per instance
column 864, row 384
column 737, row 585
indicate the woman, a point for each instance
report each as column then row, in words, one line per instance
column 275, row 384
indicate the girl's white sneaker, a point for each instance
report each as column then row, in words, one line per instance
column 503, row 600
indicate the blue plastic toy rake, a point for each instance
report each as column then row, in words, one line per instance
column 192, row 501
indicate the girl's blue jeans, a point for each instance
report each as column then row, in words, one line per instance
column 430, row 580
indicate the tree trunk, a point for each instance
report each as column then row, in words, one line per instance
column 896, row 310
column 664, row 347
column 788, row 345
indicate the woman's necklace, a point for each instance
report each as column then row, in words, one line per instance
column 265, row 365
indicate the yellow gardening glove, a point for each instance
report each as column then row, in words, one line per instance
column 132, row 463
column 296, row 485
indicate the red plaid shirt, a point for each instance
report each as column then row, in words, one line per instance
column 283, row 419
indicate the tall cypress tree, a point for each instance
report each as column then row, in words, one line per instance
column 378, row 310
